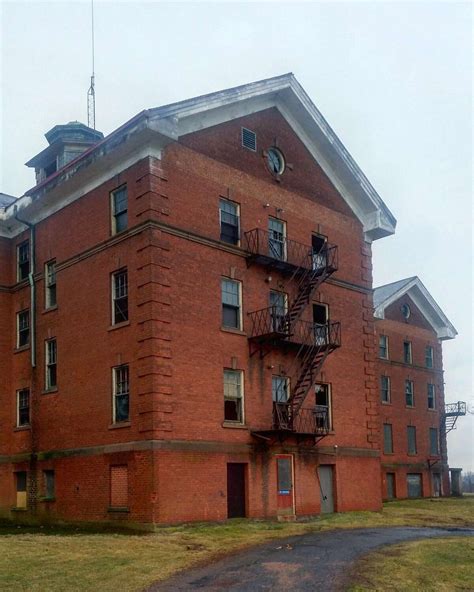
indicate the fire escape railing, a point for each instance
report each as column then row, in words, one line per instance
column 273, row 326
column 450, row 416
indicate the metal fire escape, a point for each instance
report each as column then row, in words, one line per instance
column 450, row 416
column 273, row 327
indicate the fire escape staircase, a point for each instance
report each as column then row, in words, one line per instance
column 452, row 411
column 271, row 327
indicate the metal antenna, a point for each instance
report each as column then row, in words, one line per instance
column 91, row 91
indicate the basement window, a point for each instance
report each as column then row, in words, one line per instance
column 23, row 408
column 119, row 487
column 233, row 396
column 119, row 297
column 23, row 260
column 119, row 204
column 20, row 485
column 249, row 139
column 23, row 328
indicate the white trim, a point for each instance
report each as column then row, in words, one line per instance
column 242, row 395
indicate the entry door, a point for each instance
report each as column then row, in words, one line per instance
column 279, row 305
column 325, row 475
column 276, row 239
column 318, row 243
column 414, row 485
column 285, row 493
column 390, row 485
column 236, row 490
column 436, row 484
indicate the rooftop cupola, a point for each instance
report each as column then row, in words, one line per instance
column 66, row 142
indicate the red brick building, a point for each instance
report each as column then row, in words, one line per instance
column 186, row 321
column 410, row 329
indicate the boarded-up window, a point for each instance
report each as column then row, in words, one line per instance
column 20, row 483
column 119, row 486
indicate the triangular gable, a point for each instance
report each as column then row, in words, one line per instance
column 386, row 295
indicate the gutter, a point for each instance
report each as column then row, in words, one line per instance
column 31, row 281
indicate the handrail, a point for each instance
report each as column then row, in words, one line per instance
column 458, row 408
column 313, row 420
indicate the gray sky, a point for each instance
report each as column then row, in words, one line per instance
column 394, row 80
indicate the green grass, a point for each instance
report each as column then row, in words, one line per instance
column 52, row 559
column 437, row 565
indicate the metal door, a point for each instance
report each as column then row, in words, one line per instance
column 390, row 485
column 436, row 484
column 236, row 490
column 325, row 477
column 285, row 493
column 414, row 485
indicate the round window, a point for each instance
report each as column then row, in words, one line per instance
column 275, row 161
column 406, row 312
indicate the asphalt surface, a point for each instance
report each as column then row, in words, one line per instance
column 311, row 562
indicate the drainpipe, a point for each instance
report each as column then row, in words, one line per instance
column 31, row 281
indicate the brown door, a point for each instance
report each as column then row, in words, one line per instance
column 236, row 490
column 285, row 484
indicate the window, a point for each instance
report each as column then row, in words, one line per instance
column 119, row 297
column 323, row 405
column 48, row 482
column 119, row 199
column 23, row 328
column 229, row 220
column 20, row 485
column 429, row 358
column 431, row 396
column 320, row 323
column 319, row 254
column 231, row 310
column 407, row 357
column 279, row 308
column 414, row 485
column 383, row 347
column 411, row 438
column 249, row 139
column 121, row 394
column 385, row 389
column 233, row 396
column 23, row 260
column 387, row 438
column 434, row 442
column 119, row 486
column 23, row 407
column 50, row 284
column 409, row 394
column 406, row 312
column 277, row 239
column 51, row 364
column 280, row 389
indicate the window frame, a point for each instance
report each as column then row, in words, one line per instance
column 116, row 394
column 237, row 215
column 387, row 355
column 19, row 274
column 435, row 431
column 410, row 392
column 328, row 386
column 388, row 401
column 50, row 285
column 428, row 394
column 283, row 241
column 409, row 350
column 430, row 357
column 20, row 331
column 386, row 432
column 50, row 363
column 115, row 214
column 49, row 485
column 238, row 308
column 239, row 398
column 19, row 423
column 287, row 382
column 114, row 299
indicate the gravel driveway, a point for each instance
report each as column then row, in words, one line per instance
column 305, row 563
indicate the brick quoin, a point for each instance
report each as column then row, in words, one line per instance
column 168, row 463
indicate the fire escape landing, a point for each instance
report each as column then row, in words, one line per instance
column 276, row 327
column 450, row 416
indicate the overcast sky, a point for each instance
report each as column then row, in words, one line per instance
column 394, row 80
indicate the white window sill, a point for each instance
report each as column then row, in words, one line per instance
column 234, row 424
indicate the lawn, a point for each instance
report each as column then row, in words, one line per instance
column 58, row 560
column 438, row 565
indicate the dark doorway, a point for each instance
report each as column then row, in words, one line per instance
column 320, row 314
column 236, row 490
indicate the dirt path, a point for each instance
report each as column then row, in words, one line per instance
column 298, row 564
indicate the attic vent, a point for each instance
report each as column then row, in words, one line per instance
column 249, row 139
